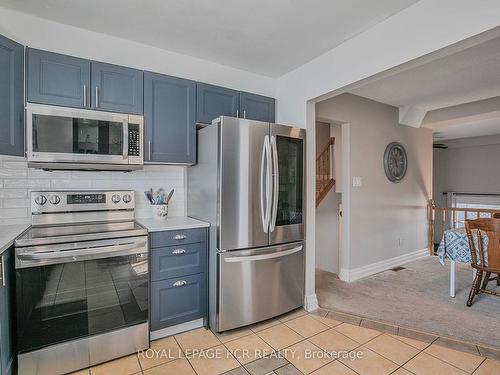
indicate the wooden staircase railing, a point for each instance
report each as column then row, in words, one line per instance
column 324, row 171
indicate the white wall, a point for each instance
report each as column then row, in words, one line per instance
column 17, row 181
column 44, row 34
column 469, row 165
column 327, row 219
column 381, row 212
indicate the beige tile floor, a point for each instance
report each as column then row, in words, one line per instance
column 301, row 343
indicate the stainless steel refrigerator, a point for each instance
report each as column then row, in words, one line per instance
column 249, row 184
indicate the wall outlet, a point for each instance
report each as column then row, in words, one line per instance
column 357, row 181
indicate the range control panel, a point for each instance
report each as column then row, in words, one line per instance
column 85, row 198
column 72, row 201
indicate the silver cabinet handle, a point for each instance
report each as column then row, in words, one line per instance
column 178, row 251
column 149, row 150
column 180, row 237
column 97, row 96
column 180, row 283
column 85, row 95
column 244, row 114
column 238, row 113
column 2, row 267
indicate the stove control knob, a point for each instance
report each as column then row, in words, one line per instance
column 40, row 200
column 115, row 198
column 54, row 199
column 127, row 198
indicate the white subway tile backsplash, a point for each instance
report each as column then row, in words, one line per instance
column 8, row 213
column 27, row 183
column 7, row 173
column 15, row 203
column 17, row 181
column 14, row 164
column 13, row 193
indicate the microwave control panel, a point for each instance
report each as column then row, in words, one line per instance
column 133, row 140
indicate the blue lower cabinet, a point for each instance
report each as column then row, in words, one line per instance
column 178, row 300
column 178, row 237
column 176, row 261
column 6, row 312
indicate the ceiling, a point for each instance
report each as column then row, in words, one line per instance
column 268, row 37
column 470, row 75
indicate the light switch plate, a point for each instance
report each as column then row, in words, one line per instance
column 357, row 181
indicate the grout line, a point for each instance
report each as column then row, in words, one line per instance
column 442, row 360
column 473, row 372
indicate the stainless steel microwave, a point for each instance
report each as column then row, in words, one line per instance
column 70, row 138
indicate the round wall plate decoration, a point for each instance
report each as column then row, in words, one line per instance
column 395, row 161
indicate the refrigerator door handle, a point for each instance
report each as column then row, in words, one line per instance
column 276, row 176
column 265, row 178
column 251, row 258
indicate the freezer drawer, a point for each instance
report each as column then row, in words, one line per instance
column 259, row 284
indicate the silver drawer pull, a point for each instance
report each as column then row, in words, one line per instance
column 178, row 251
column 180, row 283
column 180, row 237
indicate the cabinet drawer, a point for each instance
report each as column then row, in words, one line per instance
column 174, row 261
column 178, row 237
column 178, row 300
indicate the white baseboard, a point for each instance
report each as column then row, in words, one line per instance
column 311, row 302
column 383, row 265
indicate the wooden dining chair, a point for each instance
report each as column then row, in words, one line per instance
column 479, row 228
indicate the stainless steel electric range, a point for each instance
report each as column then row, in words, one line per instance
column 81, row 281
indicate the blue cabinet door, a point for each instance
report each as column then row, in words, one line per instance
column 257, row 107
column 169, row 119
column 6, row 317
column 214, row 101
column 117, row 88
column 57, row 79
column 11, row 97
column 178, row 300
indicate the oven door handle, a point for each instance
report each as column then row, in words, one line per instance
column 88, row 253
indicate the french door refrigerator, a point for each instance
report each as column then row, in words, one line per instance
column 249, row 184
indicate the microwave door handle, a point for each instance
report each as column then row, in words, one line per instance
column 89, row 253
column 276, row 176
column 125, row 140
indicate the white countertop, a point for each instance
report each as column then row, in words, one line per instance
column 171, row 223
column 8, row 233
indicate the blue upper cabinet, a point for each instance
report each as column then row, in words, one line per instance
column 117, row 88
column 169, row 118
column 214, row 101
column 11, row 97
column 257, row 107
column 57, row 79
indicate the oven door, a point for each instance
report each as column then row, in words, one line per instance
column 68, row 135
column 85, row 289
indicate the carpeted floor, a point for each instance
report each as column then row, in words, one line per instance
column 417, row 297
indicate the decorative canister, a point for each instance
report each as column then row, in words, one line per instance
column 160, row 211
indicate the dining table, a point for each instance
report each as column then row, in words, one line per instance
column 454, row 246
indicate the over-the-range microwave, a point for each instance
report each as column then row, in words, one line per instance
column 71, row 138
